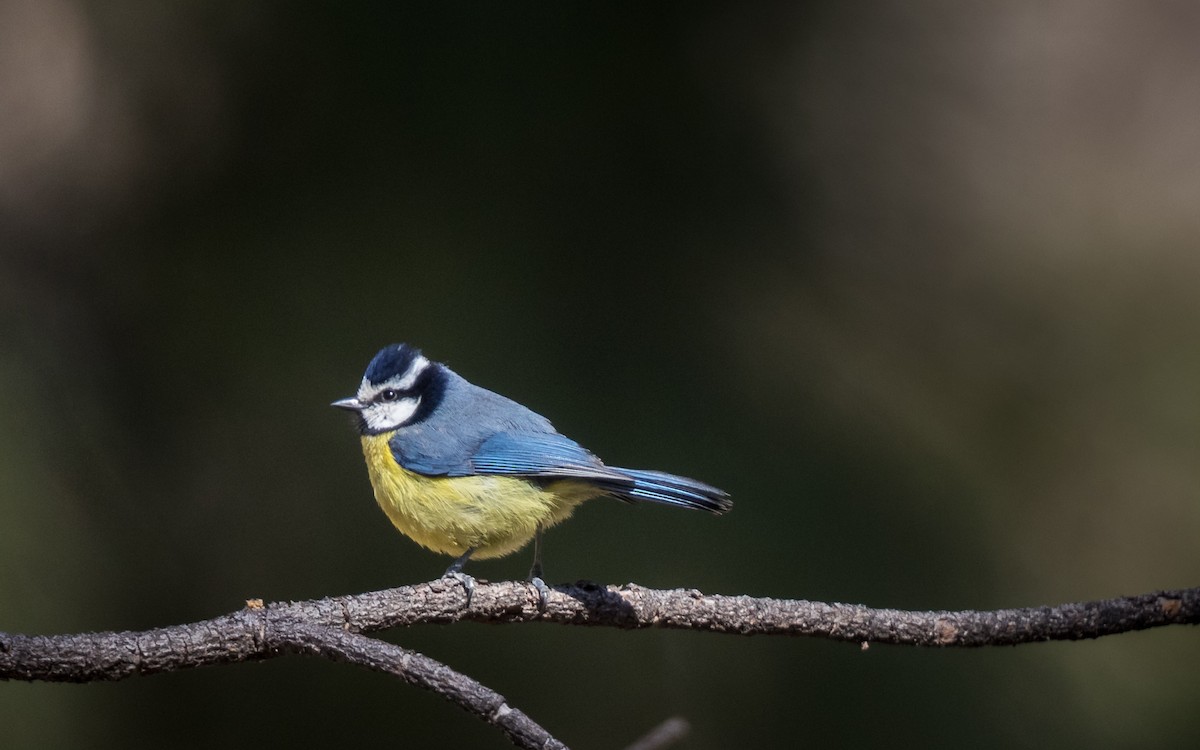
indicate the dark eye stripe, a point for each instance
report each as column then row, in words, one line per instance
column 432, row 386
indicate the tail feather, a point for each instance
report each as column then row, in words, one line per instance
column 669, row 489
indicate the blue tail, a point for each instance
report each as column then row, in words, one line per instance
column 668, row 489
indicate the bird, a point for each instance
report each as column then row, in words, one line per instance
column 464, row 471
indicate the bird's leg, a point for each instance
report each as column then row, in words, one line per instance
column 535, row 571
column 455, row 572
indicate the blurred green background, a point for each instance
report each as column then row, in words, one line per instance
column 916, row 283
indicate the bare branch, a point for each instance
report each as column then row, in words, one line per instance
column 332, row 628
column 631, row 606
column 256, row 632
column 244, row 634
column 419, row 670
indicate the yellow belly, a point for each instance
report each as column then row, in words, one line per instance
column 495, row 515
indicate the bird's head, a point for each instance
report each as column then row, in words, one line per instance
column 398, row 389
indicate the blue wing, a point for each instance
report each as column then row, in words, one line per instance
column 543, row 454
column 530, row 454
column 553, row 456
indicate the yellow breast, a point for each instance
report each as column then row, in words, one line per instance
column 495, row 515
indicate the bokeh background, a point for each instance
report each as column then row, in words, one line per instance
column 916, row 282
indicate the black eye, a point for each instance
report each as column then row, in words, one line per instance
column 389, row 394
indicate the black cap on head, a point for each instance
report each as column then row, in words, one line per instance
column 391, row 361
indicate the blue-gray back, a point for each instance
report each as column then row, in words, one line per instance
column 465, row 417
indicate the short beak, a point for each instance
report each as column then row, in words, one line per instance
column 349, row 404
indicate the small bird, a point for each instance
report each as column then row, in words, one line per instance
column 467, row 472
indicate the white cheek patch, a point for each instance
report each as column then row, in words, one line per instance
column 388, row 415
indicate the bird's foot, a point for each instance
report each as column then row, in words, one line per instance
column 542, row 590
column 535, row 572
column 468, row 582
column 455, row 572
